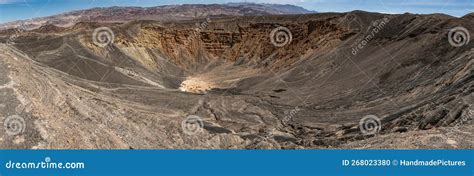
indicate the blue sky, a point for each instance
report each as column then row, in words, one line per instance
column 11, row 10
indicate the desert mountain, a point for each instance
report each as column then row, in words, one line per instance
column 161, row 13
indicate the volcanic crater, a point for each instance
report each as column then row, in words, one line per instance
column 135, row 91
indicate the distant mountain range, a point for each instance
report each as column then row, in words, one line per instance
column 162, row 13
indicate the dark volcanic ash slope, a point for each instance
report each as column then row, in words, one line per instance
column 311, row 92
